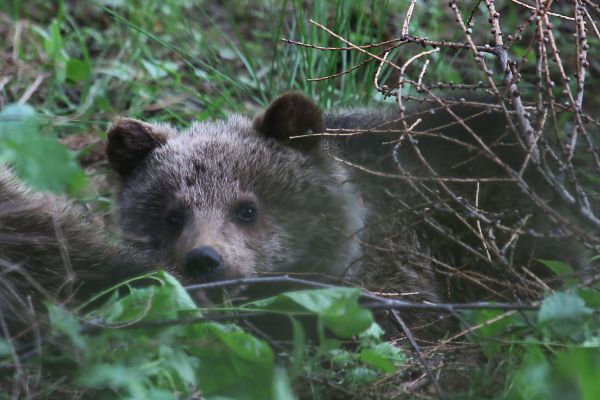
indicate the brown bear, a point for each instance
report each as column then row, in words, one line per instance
column 239, row 198
column 370, row 201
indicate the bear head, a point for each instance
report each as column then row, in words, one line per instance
column 237, row 198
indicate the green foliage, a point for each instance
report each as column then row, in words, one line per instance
column 553, row 353
column 175, row 60
column 337, row 308
column 563, row 315
column 154, row 343
column 38, row 159
column 173, row 360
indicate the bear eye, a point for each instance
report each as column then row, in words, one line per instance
column 246, row 212
column 174, row 220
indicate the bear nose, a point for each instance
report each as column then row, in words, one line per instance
column 203, row 261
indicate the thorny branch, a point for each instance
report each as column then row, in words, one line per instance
column 538, row 82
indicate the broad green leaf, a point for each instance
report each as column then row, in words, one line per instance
column 384, row 356
column 53, row 44
column 40, row 160
column 78, row 70
column 590, row 296
column 531, row 380
column 232, row 363
column 564, row 314
column 337, row 308
column 558, row 267
column 377, row 360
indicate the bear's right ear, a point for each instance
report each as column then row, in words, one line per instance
column 131, row 140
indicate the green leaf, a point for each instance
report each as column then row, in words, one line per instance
column 337, row 308
column 78, row 70
column 4, row 348
column 558, row 267
column 563, row 314
column 531, row 380
column 232, row 363
column 382, row 357
column 53, row 43
column 579, row 369
column 163, row 301
column 65, row 323
column 590, row 296
column 39, row 160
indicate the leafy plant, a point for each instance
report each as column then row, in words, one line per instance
column 38, row 159
column 154, row 343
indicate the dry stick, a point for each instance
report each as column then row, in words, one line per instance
column 470, row 22
column 402, row 109
column 536, row 199
column 592, row 23
column 3, row 81
column 527, row 133
column 455, row 198
column 366, row 46
column 344, row 72
column 583, row 210
column 400, row 322
column 469, row 330
column 421, row 74
column 401, row 80
column 378, row 72
column 20, row 377
column 31, row 89
column 484, row 241
column 407, row 17
column 38, row 343
column 381, row 302
column 593, row 5
column 544, row 71
column 312, row 21
column 482, row 64
column 395, row 43
column 517, row 35
column 567, row 91
column 420, row 179
column 549, row 13
column 582, row 62
column 63, row 247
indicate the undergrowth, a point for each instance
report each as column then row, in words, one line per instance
column 68, row 68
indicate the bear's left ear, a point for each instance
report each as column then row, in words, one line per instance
column 131, row 140
column 292, row 114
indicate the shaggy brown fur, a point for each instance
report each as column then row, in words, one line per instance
column 238, row 198
column 51, row 248
column 258, row 201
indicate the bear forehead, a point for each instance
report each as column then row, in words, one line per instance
column 232, row 156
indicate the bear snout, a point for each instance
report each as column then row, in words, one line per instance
column 202, row 262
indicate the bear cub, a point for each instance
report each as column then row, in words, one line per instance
column 240, row 198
